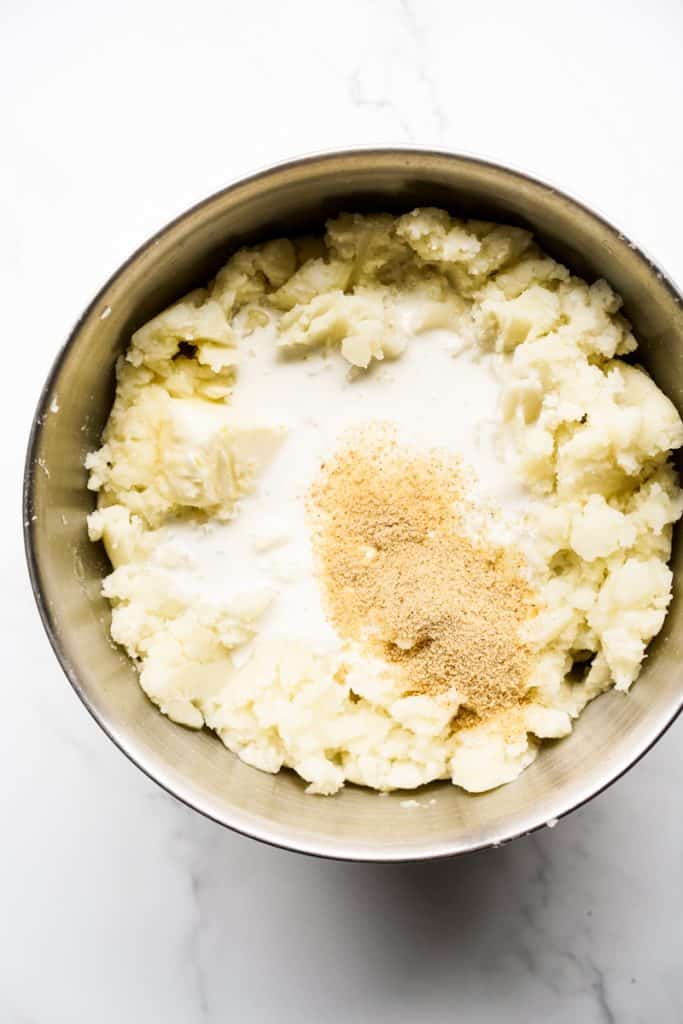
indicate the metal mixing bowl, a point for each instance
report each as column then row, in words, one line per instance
column 66, row 570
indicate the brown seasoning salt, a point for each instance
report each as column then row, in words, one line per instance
column 400, row 574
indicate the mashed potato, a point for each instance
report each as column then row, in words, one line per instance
column 587, row 434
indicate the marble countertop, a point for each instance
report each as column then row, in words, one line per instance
column 118, row 904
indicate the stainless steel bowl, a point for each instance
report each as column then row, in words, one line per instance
column 66, row 569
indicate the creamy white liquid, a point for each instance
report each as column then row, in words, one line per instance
column 435, row 399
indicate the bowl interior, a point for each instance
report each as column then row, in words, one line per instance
column 67, row 569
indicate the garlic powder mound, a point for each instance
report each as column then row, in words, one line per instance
column 400, row 573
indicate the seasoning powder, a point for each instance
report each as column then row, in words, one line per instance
column 402, row 575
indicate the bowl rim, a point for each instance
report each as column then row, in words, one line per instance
column 275, row 836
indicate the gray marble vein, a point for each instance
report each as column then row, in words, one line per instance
column 393, row 78
column 412, row 12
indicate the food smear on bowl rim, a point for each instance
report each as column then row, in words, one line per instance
column 388, row 505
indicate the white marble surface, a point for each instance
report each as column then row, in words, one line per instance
column 118, row 904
